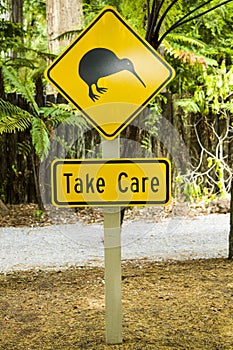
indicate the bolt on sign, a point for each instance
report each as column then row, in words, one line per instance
column 110, row 73
column 104, row 182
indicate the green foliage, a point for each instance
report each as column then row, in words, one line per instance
column 13, row 118
column 38, row 213
column 91, row 9
column 134, row 12
column 70, row 153
column 24, row 148
column 11, row 34
column 218, row 87
column 151, row 123
column 188, row 105
column 201, row 44
column 19, row 85
column 56, row 114
column 35, row 25
column 212, row 95
column 40, row 137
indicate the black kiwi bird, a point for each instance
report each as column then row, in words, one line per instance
column 100, row 62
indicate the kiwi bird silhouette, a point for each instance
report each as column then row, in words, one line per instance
column 101, row 62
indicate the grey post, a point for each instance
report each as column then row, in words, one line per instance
column 112, row 257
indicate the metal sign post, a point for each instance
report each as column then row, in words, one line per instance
column 112, row 259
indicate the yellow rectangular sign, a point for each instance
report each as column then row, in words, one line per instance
column 111, row 182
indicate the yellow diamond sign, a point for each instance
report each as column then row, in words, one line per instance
column 110, row 73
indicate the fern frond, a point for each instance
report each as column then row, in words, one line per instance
column 67, row 147
column 188, row 55
column 13, row 118
column 20, row 62
column 40, row 137
column 184, row 39
column 41, row 54
column 76, row 120
column 21, row 87
column 69, row 35
column 63, row 113
column 24, row 148
column 188, row 105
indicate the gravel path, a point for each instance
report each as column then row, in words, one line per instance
column 77, row 244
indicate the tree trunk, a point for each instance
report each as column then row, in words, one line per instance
column 62, row 16
column 39, row 92
column 35, row 167
column 230, row 253
column 2, row 90
column 16, row 16
column 17, row 11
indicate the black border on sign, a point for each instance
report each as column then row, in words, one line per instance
column 110, row 161
column 139, row 109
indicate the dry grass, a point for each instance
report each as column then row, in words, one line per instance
column 173, row 305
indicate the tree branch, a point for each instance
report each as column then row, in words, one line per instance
column 152, row 23
column 188, row 14
column 148, row 12
column 158, row 25
column 183, row 20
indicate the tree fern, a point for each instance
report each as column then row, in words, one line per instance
column 13, row 118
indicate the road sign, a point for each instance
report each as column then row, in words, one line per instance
column 110, row 73
column 114, row 182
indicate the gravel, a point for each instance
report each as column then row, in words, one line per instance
column 59, row 246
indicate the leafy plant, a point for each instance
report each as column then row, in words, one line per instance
column 13, row 118
column 41, row 122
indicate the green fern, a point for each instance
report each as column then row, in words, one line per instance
column 24, row 148
column 185, row 40
column 188, row 105
column 19, row 85
column 13, row 118
column 76, row 120
column 179, row 50
column 19, row 62
column 40, row 137
column 63, row 113
column 69, row 35
column 67, row 147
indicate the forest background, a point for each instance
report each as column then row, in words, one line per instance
column 194, row 37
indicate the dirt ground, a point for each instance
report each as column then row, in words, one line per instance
column 166, row 305
column 28, row 215
column 171, row 305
